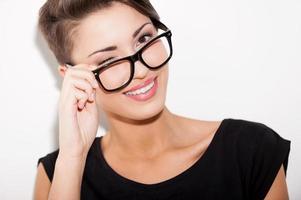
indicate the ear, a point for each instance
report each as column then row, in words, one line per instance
column 62, row 70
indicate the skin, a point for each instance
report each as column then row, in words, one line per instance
column 144, row 133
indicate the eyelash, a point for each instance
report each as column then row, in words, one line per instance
column 144, row 35
column 104, row 61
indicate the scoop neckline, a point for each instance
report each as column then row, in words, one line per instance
column 120, row 178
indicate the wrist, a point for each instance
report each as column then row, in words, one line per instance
column 69, row 158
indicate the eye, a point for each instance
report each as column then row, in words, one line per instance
column 144, row 38
column 105, row 61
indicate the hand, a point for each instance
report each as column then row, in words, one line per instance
column 78, row 114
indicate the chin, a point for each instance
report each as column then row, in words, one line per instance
column 145, row 113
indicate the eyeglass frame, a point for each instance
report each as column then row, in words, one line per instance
column 136, row 57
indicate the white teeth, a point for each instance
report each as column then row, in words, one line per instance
column 142, row 90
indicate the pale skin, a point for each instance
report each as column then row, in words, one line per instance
column 141, row 136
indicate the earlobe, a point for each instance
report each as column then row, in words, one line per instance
column 62, row 70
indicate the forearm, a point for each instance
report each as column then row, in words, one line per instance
column 67, row 179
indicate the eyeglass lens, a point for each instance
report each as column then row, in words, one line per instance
column 118, row 73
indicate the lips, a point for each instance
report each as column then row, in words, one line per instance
column 148, row 81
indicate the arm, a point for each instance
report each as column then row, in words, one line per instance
column 67, row 178
column 66, row 183
column 278, row 190
column 78, row 124
column 42, row 184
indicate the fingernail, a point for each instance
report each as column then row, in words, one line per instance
column 81, row 106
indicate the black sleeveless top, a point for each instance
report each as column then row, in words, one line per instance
column 241, row 162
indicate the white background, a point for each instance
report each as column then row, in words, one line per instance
column 238, row 59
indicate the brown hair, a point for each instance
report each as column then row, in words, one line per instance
column 58, row 20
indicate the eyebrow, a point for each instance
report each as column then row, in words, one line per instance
column 112, row 48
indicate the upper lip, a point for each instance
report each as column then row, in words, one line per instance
column 148, row 81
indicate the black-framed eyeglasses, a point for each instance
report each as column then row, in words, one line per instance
column 118, row 74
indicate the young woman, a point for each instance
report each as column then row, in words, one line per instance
column 113, row 56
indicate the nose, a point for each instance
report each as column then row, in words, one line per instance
column 141, row 71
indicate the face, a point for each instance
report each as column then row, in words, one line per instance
column 115, row 26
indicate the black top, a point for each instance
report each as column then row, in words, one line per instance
column 241, row 162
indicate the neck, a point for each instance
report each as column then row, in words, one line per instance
column 144, row 138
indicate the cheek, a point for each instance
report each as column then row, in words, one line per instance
column 163, row 81
column 103, row 99
column 110, row 103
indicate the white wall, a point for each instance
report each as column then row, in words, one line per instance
column 238, row 59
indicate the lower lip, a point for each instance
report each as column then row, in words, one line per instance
column 146, row 96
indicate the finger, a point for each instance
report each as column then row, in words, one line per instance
column 72, row 97
column 84, row 85
column 81, row 97
column 82, row 71
column 86, row 103
column 91, row 107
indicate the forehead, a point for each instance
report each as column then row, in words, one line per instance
column 109, row 26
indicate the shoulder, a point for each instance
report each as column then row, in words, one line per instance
column 260, row 152
column 252, row 133
column 249, row 128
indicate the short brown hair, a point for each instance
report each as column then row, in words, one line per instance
column 58, row 20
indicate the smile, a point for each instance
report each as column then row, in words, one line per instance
column 144, row 93
column 142, row 90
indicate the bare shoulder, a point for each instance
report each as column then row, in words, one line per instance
column 42, row 184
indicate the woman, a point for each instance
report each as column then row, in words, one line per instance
column 114, row 57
